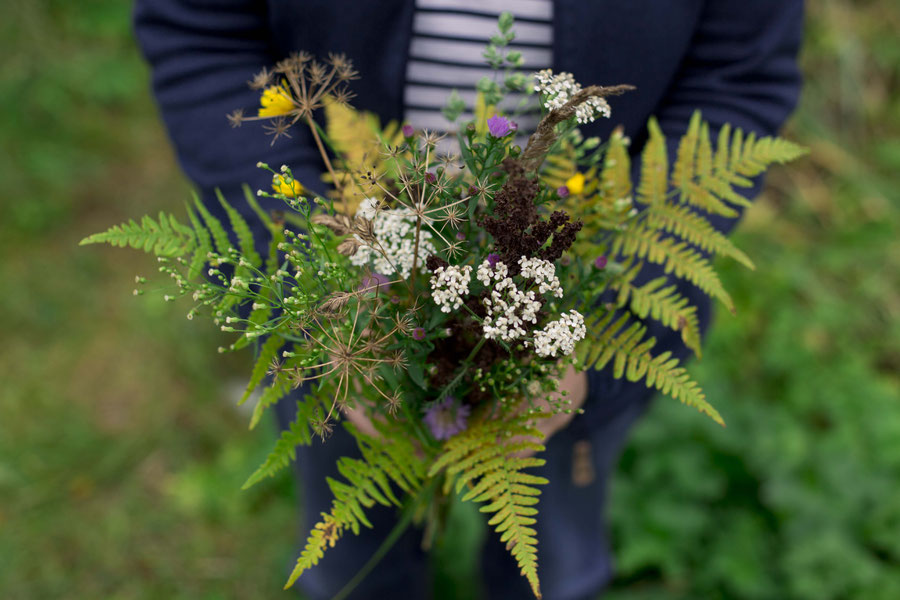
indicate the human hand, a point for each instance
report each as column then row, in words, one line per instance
column 576, row 384
column 573, row 382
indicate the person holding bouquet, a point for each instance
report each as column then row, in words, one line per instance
column 736, row 62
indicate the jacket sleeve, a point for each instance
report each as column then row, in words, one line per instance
column 202, row 53
column 741, row 68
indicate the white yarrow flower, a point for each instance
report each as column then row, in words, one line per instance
column 368, row 208
column 449, row 285
column 558, row 338
column 558, row 89
column 543, row 272
column 395, row 231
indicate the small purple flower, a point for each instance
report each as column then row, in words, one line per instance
column 493, row 259
column 600, row 262
column 446, row 418
column 418, row 334
column 513, row 126
column 498, row 126
column 429, row 177
column 562, row 191
column 408, row 130
column 460, row 236
column 371, row 283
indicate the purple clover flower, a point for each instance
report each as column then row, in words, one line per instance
column 562, row 191
column 600, row 262
column 429, row 177
column 493, row 259
column 498, row 126
column 408, row 130
column 418, row 334
column 446, row 418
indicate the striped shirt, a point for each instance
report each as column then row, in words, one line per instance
column 445, row 54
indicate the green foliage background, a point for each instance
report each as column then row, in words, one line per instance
column 121, row 456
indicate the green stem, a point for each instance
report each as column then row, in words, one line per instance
column 399, row 529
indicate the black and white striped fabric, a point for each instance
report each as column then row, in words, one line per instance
column 445, row 54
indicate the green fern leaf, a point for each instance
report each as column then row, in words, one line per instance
column 242, row 231
column 219, row 235
column 268, row 352
column 389, row 461
column 299, row 434
column 165, row 237
column 204, row 245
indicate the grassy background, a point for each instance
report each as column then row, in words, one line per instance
column 121, row 460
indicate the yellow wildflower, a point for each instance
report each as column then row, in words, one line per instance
column 575, row 184
column 275, row 101
column 291, row 188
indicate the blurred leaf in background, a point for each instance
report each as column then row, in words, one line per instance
column 120, row 459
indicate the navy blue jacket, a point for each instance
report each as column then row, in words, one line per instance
column 735, row 60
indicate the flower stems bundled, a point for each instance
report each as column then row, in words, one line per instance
column 441, row 295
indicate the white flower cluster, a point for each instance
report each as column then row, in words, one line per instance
column 560, row 336
column 508, row 308
column 395, row 230
column 544, row 274
column 556, row 90
column 449, row 285
column 368, row 208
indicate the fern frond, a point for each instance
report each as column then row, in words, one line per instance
column 615, row 178
column 204, row 245
column 285, row 450
column 369, row 480
column 675, row 256
column 219, row 235
column 666, row 306
column 162, row 237
column 689, row 225
column 271, row 395
column 483, row 457
column 358, row 137
column 754, row 156
column 268, row 352
column 654, row 185
column 626, row 346
column 241, row 230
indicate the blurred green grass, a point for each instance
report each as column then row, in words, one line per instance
column 121, row 462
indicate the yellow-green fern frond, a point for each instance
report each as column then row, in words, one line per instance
column 654, row 184
column 358, row 138
column 484, row 459
column 665, row 305
column 615, row 178
column 687, row 224
column 627, row 346
column 675, row 256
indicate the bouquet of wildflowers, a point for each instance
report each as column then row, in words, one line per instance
column 431, row 301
